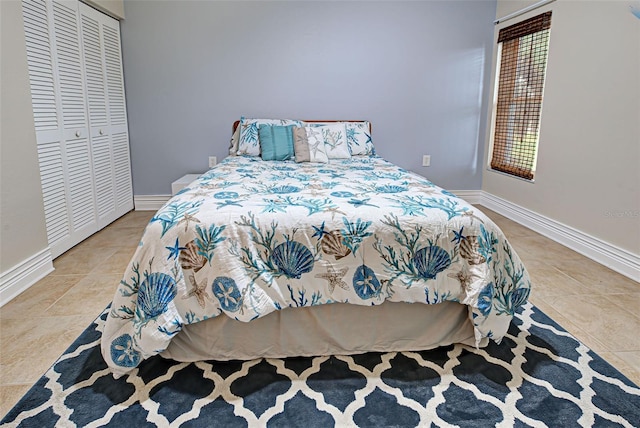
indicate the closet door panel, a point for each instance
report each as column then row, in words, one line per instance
column 94, row 70
column 69, row 62
column 38, row 27
column 80, row 184
column 117, row 116
column 40, row 63
column 115, row 83
column 122, row 169
column 73, row 99
column 97, row 101
column 54, row 194
column 103, row 173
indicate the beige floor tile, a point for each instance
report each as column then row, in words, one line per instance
column 548, row 281
column 10, row 395
column 629, row 302
column 27, row 357
column 602, row 319
column 88, row 297
column 116, row 263
column 79, row 260
column 138, row 219
column 597, row 278
column 513, row 230
column 40, row 296
column 13, row 332
column 631, row 358
column 546, row 250
column 620, row 360
column 576, row 331
column 128, row 237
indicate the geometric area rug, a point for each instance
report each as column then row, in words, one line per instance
column 538, row 376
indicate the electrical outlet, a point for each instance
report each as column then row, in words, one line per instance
column 213, row 160
column 426, row 160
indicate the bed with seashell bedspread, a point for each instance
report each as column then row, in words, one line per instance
column 251, row 238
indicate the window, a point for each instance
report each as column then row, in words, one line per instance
column 522, row 62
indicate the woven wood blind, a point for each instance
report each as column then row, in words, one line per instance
column 523, row 62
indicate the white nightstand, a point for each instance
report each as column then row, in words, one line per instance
column 183, row 182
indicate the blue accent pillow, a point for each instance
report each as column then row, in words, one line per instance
column 276, row 142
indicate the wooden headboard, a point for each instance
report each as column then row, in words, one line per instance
column 237, row 122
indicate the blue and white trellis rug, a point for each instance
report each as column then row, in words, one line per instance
column 539, row 376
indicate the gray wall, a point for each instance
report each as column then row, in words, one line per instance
column 22, row 228
column 588, row 174
column 418, row 70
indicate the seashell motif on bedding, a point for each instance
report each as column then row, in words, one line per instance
column 332, row 244
column 431, row 260
column 469, row 250
column 155, row 294
column 365, row 283
column 123, row 353
column 390, row 188
column 485, row 299
column 227, row 293
column 190, row 258
column 292, row 259
column 284, row 189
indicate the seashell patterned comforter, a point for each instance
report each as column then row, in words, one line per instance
column 250, row 237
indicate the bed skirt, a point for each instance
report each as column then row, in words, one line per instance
column 334, row 329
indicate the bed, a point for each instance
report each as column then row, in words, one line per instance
column 279, row 251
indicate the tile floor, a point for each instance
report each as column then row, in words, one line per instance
column 595, row 304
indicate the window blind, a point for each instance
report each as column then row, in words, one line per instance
column 523, row 60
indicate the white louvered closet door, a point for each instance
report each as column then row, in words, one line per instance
column 77, row 146
column 102, row 156
column 68, row 53
column 118, row 116
column 107, row 114
column 44, row 97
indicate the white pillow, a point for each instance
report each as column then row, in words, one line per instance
column 249, row 142
column 358, row 136
column 335, row 140
column 317, row 151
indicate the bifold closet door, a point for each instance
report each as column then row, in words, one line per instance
column 107, row 114
column 54, row 56
column 75, row 71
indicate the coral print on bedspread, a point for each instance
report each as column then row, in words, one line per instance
column 250, row 237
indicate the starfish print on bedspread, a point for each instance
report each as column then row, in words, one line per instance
column 186, row 219
column 335, row 278
column 198, row 291
column 174, row 251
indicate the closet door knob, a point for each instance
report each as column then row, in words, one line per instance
column 101, row 132
column 78, row 134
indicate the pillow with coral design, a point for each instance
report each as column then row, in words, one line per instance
column 317, row 150
column 335, row 140
column 358, row 133
column 359, row 138
column 249, row 139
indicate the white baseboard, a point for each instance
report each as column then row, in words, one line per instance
column 149, row 202
column 24, row 275
column 618, row 259
column 615, row 258
column 471, row 196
